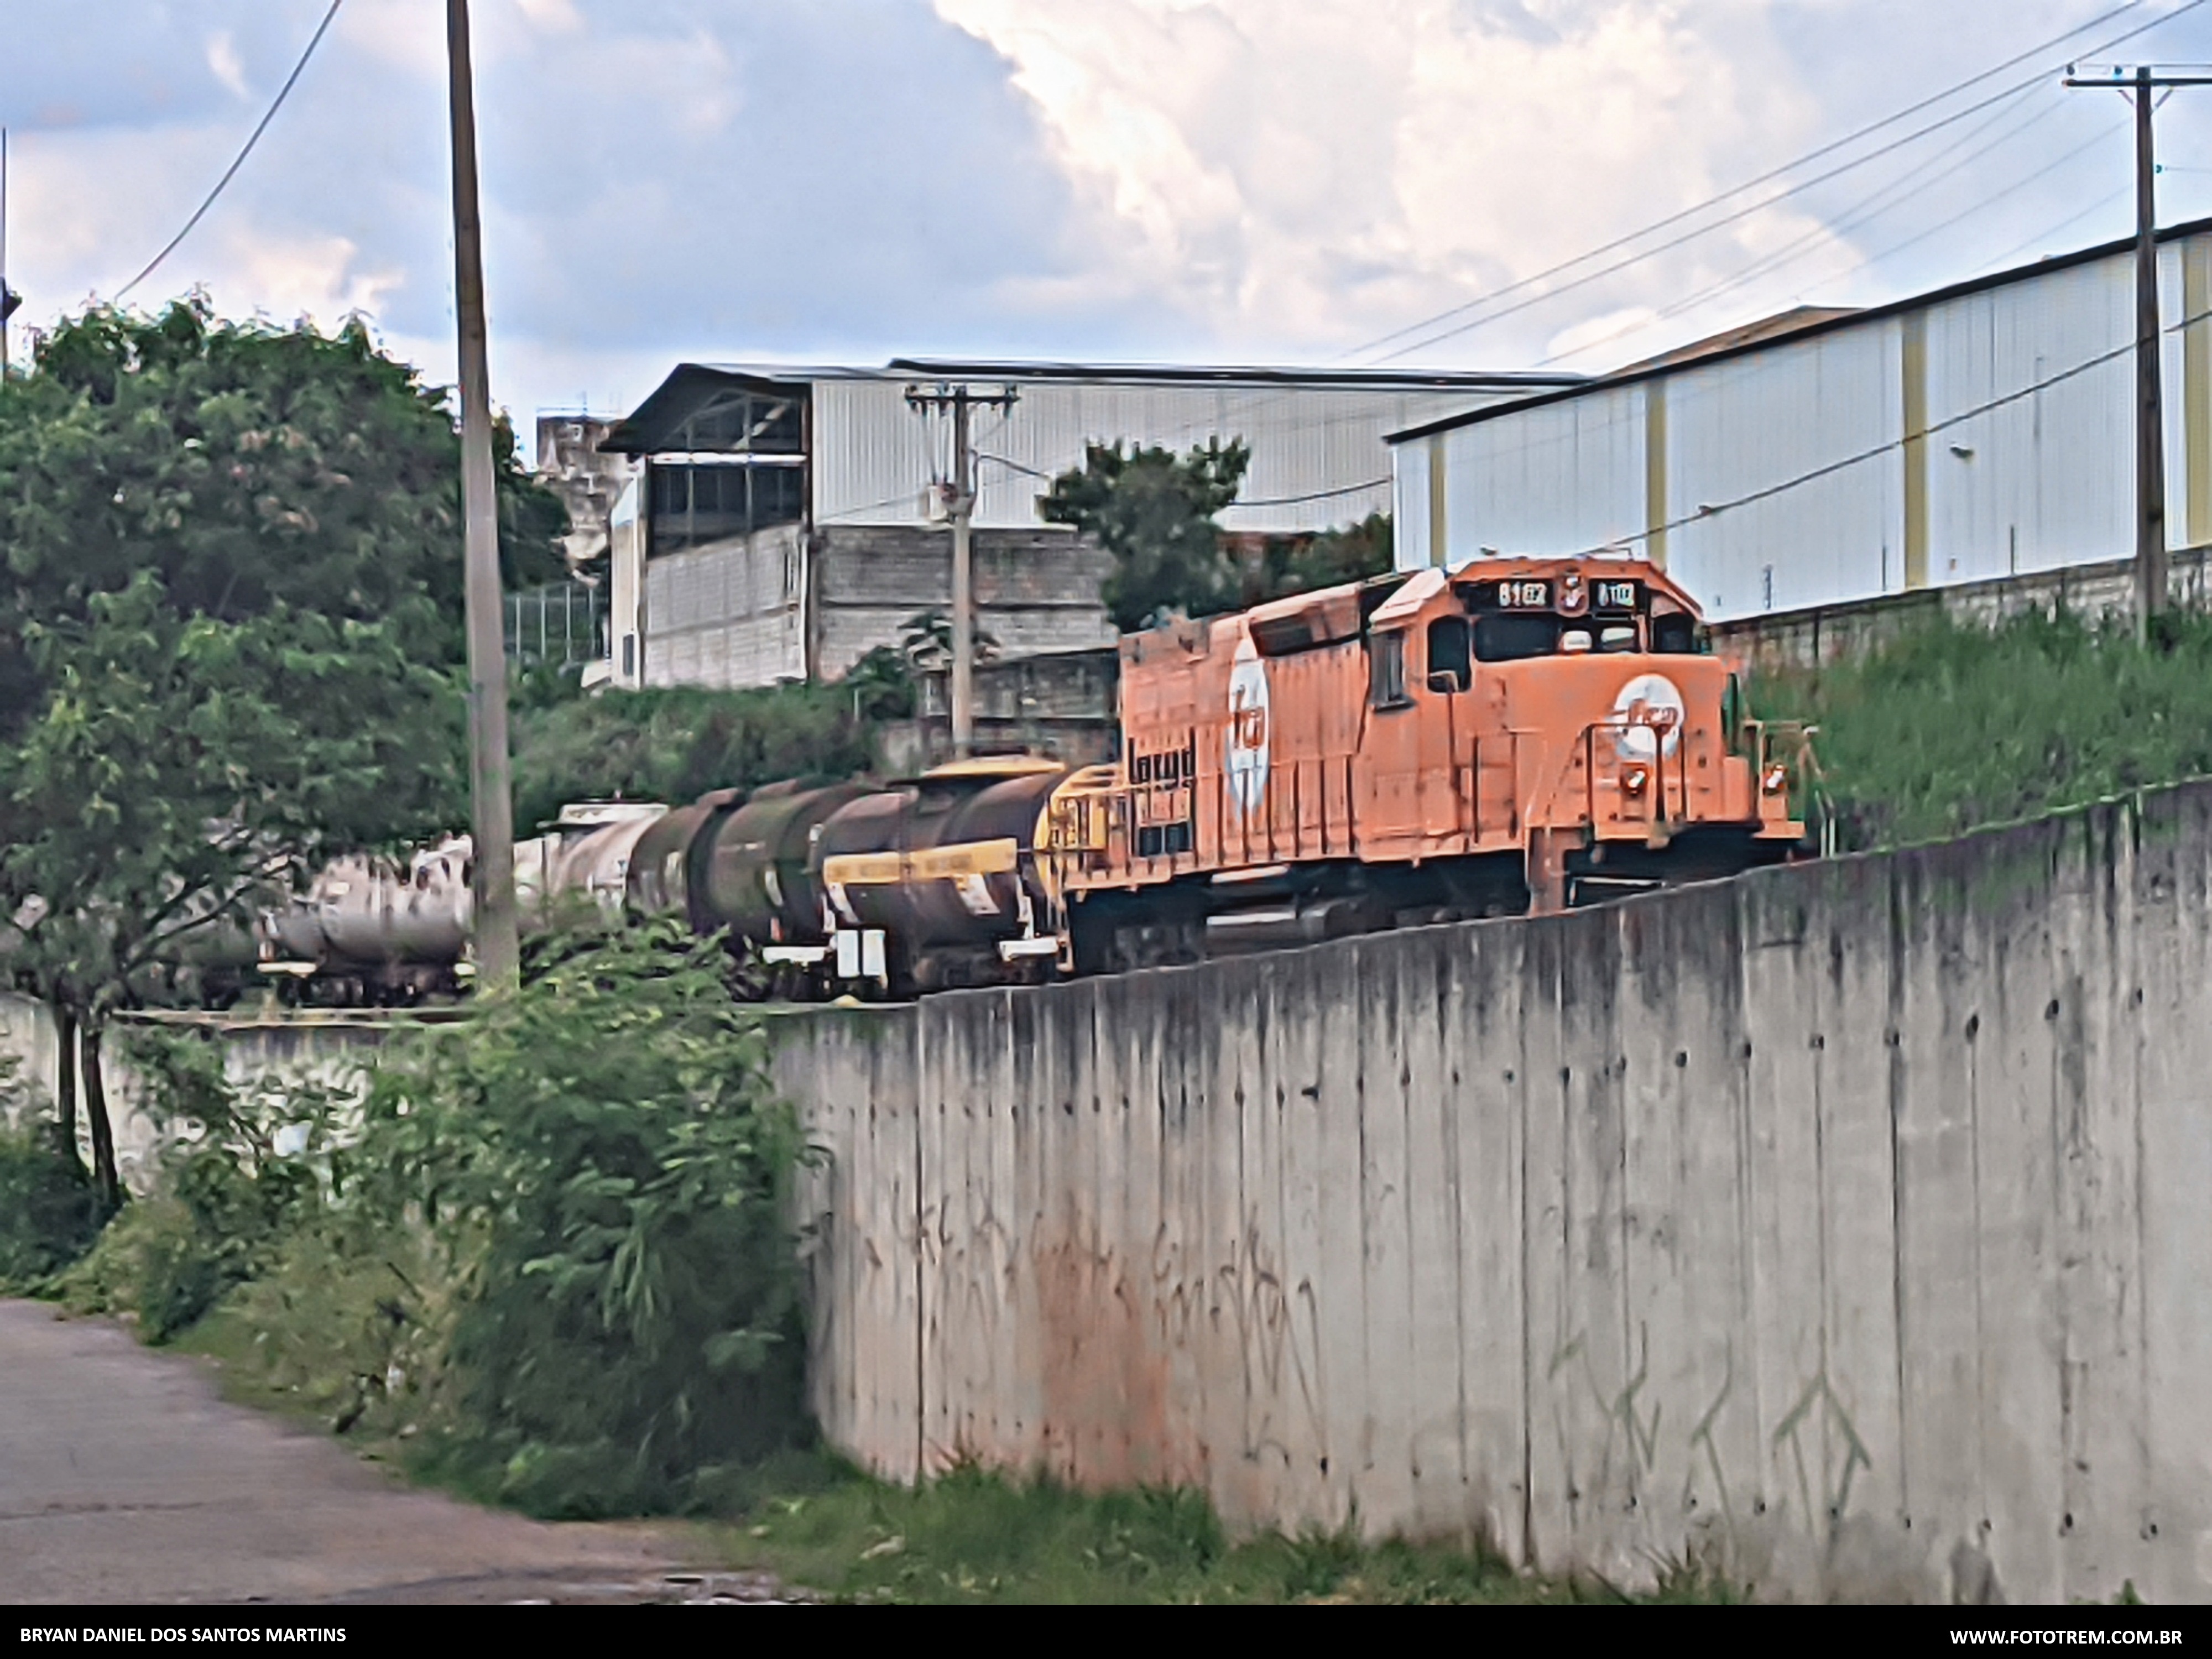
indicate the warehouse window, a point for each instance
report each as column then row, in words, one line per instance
column 1386, row 669
column 688, row 505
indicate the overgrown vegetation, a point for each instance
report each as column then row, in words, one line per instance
column 49, row 1213
column 675, row 744
column 230, row 644
column 1952, row 726
column 546, row 1252
column 974, row 1536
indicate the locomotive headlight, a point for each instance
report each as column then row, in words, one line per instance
column 1633, row 779
column 1776, row 778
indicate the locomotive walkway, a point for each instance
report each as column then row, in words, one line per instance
column 124, row 1479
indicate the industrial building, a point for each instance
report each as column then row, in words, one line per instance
column 1982, row 431
column 786, row 521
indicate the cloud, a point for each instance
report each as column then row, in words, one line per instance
column 1230, row 179
column 223, row 63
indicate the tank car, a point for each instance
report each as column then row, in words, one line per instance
column 373, row 930
column 760, row 878
column 934, row 883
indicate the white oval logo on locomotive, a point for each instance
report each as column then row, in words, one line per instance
column 1246, row 762
column 1649, row 712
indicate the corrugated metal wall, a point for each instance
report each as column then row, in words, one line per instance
column 874, row 457
column 1783, row 477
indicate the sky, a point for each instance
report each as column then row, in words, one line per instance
column 1242, row 181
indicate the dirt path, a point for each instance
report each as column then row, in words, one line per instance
column 124, row 1478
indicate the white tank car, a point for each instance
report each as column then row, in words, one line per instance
column 383, row 926
column 594, row 861
column 369, row 928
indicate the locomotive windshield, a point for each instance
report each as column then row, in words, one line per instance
column 1522, row 617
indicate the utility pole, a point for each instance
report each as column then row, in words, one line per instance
column 498, row 951
column 2150, row 417
column 960, row 500
column 8, row 298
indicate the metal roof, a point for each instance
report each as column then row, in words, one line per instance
column 1790, row 328
column 690, row 384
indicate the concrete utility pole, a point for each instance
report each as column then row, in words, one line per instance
column 961, row 501
column 8, row 298
column 2150, row 418
column 498, row 951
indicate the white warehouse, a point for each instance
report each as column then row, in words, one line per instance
column 787, row 520
column 1981, row 431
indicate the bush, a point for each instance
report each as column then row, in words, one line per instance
column 674, row 745
column 600, row 1174
column 1954, row 727
column 49, row 1213
column 228, row 1198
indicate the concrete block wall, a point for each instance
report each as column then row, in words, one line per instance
column 1835, row 633
column 1035, row 590
column 1846, row 1222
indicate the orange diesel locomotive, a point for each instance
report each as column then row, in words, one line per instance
column 1516, row 734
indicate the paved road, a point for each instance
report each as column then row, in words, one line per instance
column 124, row 1478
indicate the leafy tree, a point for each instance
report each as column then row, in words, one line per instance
column 230, row 637
column 673, row 743
column 1154, row 514
column 1298, row 564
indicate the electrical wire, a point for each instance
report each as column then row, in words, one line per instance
column 1373, row 347
column 1774, row 262
column 1869, row 207
column 2067, row 223
column 1712, row 510
column 231, row 172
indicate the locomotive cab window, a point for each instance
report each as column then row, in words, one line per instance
column 1676, row 635
column 1386, row 669
column 1450, row 666
column 1509, row 637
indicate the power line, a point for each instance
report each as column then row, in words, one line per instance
column 1774, row 262
column 231, row 172
column 1711, row 510
column 1868, row 207
column 1768, row 177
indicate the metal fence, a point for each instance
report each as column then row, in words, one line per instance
column 559, row 625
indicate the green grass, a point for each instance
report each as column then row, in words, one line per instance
column 974, row 1536
column 1952, row 727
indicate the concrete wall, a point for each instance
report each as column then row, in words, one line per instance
column 1826, row 634
column 777, row 604
column 729, row 614
column 1846, row 1221
column 1035, row 590
column 331, row 1049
